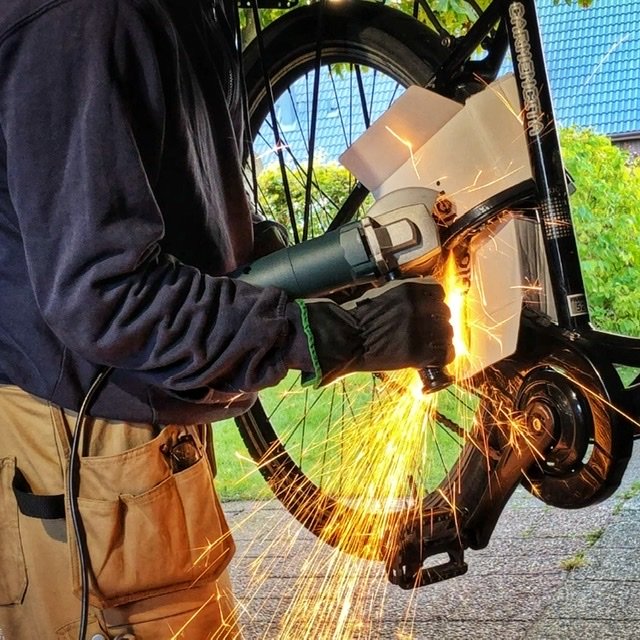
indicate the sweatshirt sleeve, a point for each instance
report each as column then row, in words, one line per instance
column 82, row 111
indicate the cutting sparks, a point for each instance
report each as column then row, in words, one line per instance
column 409, row 145
column 379, row 459
column 382, row 456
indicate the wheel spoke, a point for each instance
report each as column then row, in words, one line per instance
column 450, row 427
column 363, row 98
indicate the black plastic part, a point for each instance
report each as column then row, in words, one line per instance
column 434, row 379
column 455, row 566
column 548, row 399
column 45, row 507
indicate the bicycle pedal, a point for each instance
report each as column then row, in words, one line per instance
column 456, row 566
column 439, row 573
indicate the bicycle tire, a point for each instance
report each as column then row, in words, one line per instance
column 360, row 33
column 374, row 35
column 365, row 32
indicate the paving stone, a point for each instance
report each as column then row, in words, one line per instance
column 610, row 564
column 550, row 629
column 622, row 532
column 596, row 600
column 518, row 521
column 515, row 588
column 428, row 631
column 507, row 548
column 535, row 563
column 630, row 504
column 560, row 522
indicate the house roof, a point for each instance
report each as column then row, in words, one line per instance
column 593, row 61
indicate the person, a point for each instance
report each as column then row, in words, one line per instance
column 122, row 207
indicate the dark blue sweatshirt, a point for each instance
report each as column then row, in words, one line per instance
column 121, row 204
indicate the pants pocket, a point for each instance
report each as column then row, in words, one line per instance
column 202, row 613
column 13, row 573
column 169, row 536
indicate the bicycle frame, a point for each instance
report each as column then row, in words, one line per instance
column 518, row 30
column 519, row 21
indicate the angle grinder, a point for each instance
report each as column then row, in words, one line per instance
column 397, row 233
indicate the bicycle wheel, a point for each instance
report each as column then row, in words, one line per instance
column 350, row 460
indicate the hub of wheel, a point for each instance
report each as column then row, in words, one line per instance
column 540, row 417
column 552, row 402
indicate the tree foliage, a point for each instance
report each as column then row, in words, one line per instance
column 606, row 212
column 331, row 185
column 456, row 16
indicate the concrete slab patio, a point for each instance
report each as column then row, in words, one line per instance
column 547, row 574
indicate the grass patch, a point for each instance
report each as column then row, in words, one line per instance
column 579, row 560
column 313, row 424
column 238, row 477
column 627, row 374
column 593, row 536
column 625, row 496
column 576, row 561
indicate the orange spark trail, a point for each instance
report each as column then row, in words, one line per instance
column 409, row 146
column 381, row 460
column 389, row 455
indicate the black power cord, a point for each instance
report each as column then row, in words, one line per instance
column 72, row 492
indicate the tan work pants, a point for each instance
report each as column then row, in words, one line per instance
column 157, row 539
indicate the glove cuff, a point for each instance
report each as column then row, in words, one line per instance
column 309, row 378
column 334, row 341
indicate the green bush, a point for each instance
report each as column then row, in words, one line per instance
column 331, row 185
column 606, row 213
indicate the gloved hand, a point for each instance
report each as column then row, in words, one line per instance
column 403, row 324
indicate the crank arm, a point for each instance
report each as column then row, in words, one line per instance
column 466, row 511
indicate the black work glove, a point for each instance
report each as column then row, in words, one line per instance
column 403, row 324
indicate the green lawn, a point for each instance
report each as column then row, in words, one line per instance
column 313, row 424
column 308, row 421
column 238, row 477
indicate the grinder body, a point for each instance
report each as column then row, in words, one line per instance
column 330, row 262
column 397, row 230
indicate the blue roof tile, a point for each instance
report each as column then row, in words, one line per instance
column 593, row 59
